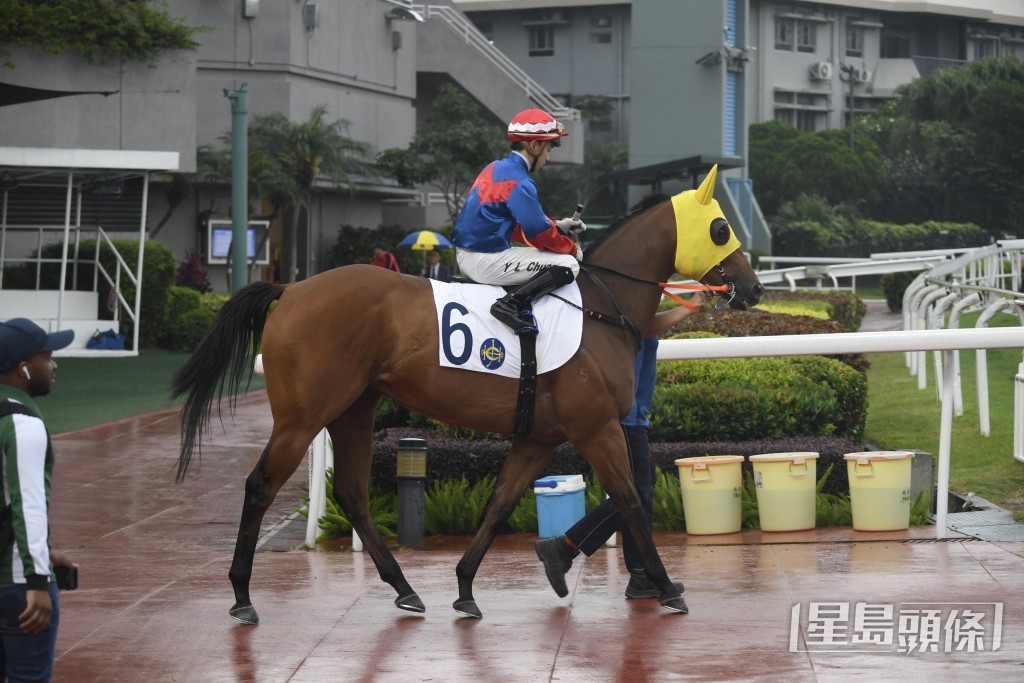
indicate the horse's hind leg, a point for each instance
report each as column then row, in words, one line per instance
column 352, row 437
column 605, row 450
column 277, row 463
column 522, row 466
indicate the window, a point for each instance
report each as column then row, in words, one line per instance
column 895, row 42
column 793, row 33
column 542, row 41
column 806, row 120
column 986, row 47
column 784, row 33
column 854, row 41
column 601, row 22
column 600, row 38
column 806, row 36
column 803, row 110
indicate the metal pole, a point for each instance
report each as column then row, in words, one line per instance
column 239, row 185
column 945, row 437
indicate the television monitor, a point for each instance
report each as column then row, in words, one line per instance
column 219, row 243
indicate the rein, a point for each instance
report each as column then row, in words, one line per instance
column 721, row 290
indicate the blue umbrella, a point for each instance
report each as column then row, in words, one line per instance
column 425, row 240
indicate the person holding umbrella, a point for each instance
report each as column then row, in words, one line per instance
column 502, row 207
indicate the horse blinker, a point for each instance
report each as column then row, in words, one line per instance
column 720, row 231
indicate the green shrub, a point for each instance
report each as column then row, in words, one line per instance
column 668, row 502
column 812, row 309
column 192, row 326
column 846, row 308
column 755, row 323
column 895, row 285
column 180, row 300
column 757, row 398
column 750, row 515
column 455, row 508
column 524, row 518
column 333, row 524
column 849, row 236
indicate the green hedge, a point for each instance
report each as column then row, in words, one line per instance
column 846, row 308
column 157, row 278
column 754, row 398
column 894, row 285
column 755, row 323
column 861, row 238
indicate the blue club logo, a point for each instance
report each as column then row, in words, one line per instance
column 492, row 353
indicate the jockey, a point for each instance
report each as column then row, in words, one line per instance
column 502, row 206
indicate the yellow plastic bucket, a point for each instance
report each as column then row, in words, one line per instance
column 711, row 486
column 785, row 485
column 880, row 489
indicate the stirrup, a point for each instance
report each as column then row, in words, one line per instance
column 520, row 322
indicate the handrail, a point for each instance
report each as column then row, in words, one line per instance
column 115, row 283
column 477, row 40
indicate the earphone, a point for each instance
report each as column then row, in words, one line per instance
column 24, row 371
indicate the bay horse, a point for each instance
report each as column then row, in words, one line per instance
column 335, row 343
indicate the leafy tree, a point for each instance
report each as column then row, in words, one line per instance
column 951, row 145
column 132, row 30
column 785, row 163
column 561, row 188
column 289, row 157
column 451, row 146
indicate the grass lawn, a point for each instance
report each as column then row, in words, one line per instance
column 900, row 416
column 90, row 391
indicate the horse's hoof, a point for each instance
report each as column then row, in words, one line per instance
column 245, row 614
column 675, row 604
column 410, row 602
column 468, row 608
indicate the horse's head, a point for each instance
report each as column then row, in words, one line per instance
column 707, row 249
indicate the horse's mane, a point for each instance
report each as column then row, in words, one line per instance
column 640, row 207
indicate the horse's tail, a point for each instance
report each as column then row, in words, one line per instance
column 222, row 358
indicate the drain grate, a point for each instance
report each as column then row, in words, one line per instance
column 987, row 525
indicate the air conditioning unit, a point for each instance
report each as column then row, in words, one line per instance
column 861, row 76
column 821, row 71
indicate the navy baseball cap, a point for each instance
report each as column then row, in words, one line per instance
column 20, row 339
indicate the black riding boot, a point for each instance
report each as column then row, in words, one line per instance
column 513, row 309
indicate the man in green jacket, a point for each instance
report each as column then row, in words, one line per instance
column 29, row 606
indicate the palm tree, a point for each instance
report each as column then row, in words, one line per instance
column 296, row 155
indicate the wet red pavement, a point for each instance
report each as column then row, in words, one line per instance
column 154, row 593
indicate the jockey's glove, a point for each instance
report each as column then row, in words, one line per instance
column 570, row 226
column 579, row 253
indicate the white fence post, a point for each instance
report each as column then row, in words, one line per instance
column 982, row 366
column 954, row 324
column 317, row 487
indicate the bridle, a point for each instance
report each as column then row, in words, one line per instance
column 720, row 292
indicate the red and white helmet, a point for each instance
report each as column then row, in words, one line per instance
column 535, row 124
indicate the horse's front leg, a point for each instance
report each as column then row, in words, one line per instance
column 352, row 435
column 605, row 450
column 523, row 465
column 277, row 463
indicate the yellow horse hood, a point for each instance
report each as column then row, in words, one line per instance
column 696, row 248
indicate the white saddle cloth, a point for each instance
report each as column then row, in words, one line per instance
column 472, row 339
